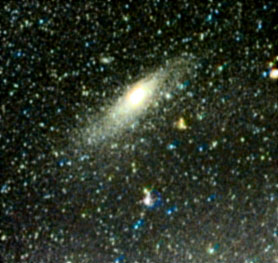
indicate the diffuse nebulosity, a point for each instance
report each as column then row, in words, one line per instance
column 140, row 98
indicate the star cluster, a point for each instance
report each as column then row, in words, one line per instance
column 139, row 132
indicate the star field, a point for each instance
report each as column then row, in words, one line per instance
column 139, row 132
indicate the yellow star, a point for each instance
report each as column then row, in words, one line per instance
column 181, row 124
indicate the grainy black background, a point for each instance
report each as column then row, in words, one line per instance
column 64, row 64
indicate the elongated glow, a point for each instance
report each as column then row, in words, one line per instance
column 137, row 96
column 140, row 93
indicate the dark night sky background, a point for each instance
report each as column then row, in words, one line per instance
column 207, row 154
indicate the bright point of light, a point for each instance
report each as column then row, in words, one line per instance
column 274, row 73
column 148, row 200
column 146, row 190
column 181, row 124
column 211, row 251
